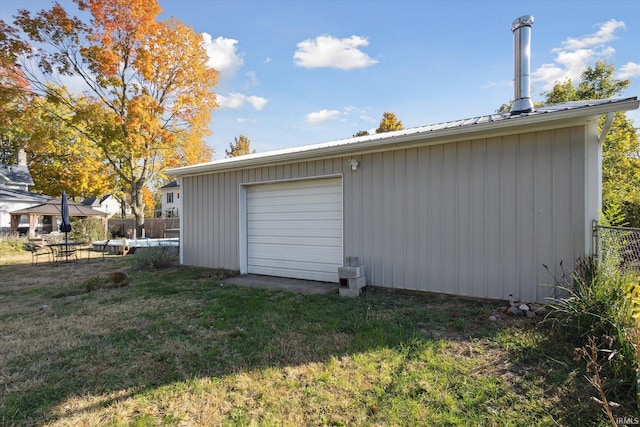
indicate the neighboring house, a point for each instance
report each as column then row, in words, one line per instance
column 107, row 204
column 15, row 181
column 475, row 207
column 171, row 202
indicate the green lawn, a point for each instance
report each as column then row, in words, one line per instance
column 178, row 347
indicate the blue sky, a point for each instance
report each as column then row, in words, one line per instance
column 302, row 72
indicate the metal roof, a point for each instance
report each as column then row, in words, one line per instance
column 435, row 133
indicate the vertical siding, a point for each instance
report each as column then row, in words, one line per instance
column 478, row 218
column 506, row 171
column 412, row 216
column 461, row 243
column 494, row 232
column 477, row 210
column 545, row 225
column 435, row 214
column 526, row 209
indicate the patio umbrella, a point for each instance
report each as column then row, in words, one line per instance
column 65, row 226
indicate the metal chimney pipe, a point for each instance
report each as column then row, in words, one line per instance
column 521, row 29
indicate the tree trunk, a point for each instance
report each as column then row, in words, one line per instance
column 137, row 207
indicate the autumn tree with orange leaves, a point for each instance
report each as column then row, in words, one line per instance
column 13, row 92
column 147, row 88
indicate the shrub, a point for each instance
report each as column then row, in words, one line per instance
column 119, row 278
column 597, row 304
column 157, row 257
column 87, row 229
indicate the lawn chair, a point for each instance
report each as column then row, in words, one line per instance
column 102, row 248
column 38, row 252
column 84, row 247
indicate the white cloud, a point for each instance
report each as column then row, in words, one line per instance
column 322, row 116
column 222, row 55
column 605, row 34
column 331, row 52
column 252, row 80
column 236, row 100
column 233, row 101
column 576, row 54
column 257, row 102
column 629, row 70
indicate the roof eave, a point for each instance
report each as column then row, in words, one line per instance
column 533, row 122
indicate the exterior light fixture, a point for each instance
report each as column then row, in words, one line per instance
column 354, row 164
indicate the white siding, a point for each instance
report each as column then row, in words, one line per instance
column 475, row 217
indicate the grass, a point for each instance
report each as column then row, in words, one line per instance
column 11, row 245
column 177, row 346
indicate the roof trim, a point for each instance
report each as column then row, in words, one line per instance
column 569, row 113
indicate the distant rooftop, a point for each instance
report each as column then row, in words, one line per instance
column 21, row 195
column 172, row 184
column 16, row 174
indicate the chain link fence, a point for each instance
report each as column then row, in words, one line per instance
column 617, row 247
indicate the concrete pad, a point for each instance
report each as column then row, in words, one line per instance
column 306, row 287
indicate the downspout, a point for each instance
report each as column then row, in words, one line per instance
column 606, row 128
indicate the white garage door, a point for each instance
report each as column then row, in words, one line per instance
column 294, row 229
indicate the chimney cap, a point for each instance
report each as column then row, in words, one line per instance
column 523, row 21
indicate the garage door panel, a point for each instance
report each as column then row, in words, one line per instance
column 267, row 235
column 297, row 270
column 319, row 254
column 320, row 240
column 299, row 226
column 297, row 274
column 294, row 200
column 294, row 229
column 287, row 209
column 283, row 215
column 290, row 264
column 299, row 187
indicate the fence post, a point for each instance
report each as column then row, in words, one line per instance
column 594, row 237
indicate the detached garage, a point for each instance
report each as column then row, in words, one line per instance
column 475, row 207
